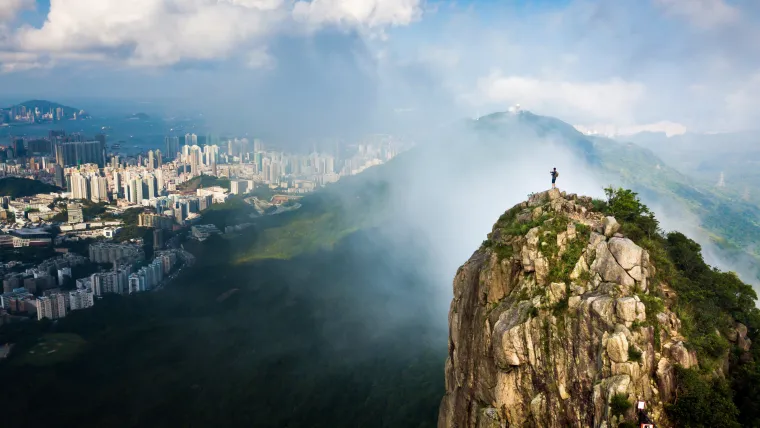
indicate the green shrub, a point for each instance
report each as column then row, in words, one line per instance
column 628, row 424
column 503, row 251
column 634, row 354
column 619, row 404
column 533, row 312
column 701, row 401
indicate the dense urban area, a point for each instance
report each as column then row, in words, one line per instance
column 80, row 219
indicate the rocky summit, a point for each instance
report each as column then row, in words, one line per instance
column 552, row 324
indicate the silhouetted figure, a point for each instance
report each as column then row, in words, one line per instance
column 554, row 174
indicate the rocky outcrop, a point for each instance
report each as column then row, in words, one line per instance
column 546, row 333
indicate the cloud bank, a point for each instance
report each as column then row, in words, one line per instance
column 626, row 64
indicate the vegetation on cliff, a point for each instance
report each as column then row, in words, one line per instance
column 570, row 300
column 709, row 303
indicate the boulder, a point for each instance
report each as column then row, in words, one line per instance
column 625, row 309
column 573, row 302
column 524, row 216
column 617, row 347
column 554, row 194
column 626, row 252
column 641, row 311
column 542, row 269
column 683, row 356
column 666, row 382
column 610, row 226
column 557, row 292
column 580, row 267
column 604, row 307
column 537, row 213
column 571, row 231
column 608, row 268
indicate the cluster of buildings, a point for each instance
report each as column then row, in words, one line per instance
column 85, row 170
column 39, row 291
column 33, row 113
column 51, row 273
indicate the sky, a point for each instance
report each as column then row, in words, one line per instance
column 363, row 65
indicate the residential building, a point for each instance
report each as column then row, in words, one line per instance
column 52, row 306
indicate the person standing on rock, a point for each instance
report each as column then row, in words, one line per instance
column 554, row 174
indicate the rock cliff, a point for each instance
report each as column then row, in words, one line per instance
column 552, row 324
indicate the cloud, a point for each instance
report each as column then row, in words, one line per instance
column 358, row 13
column 260, row 58
column 150, row 32
column 612, row 100
column 166, row 32
column 19, row 61
column 705, row 14
column 665, row 127
column 10, row 8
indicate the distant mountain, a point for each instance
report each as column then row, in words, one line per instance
column 138, row 116
column 44, row 108
column 477, row 166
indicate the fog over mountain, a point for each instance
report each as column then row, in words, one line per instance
column 354, row 333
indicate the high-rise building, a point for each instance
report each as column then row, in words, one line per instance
column 159, row 159
column 59, row 180
column 191, row 140
column 238, row 187
column 81, row 299
column 74, row 213
column 154, row 220
column 158, row 239
column 116, row 184
column 52, row 306
column 80, row 186
column 138, row 189
column 99, row 186
column 151, row 160
column 195, row 155
column 72, row 153
column 150, row 186
column 172, row 146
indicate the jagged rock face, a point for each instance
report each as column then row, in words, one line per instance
column 547, row 324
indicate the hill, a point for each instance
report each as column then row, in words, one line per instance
column 138, row 116
column 45, row 106
column 18, row 187
column 196, row 183
column 560, row 320
column 496, row 158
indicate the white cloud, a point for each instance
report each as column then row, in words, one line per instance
column 614, row 100
column 10, row 8
column 260, row 59
column 358, row 13
column 666, row 127
column 702, row 13
column 150, row 32
column 165, row 32
column 19, row 61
